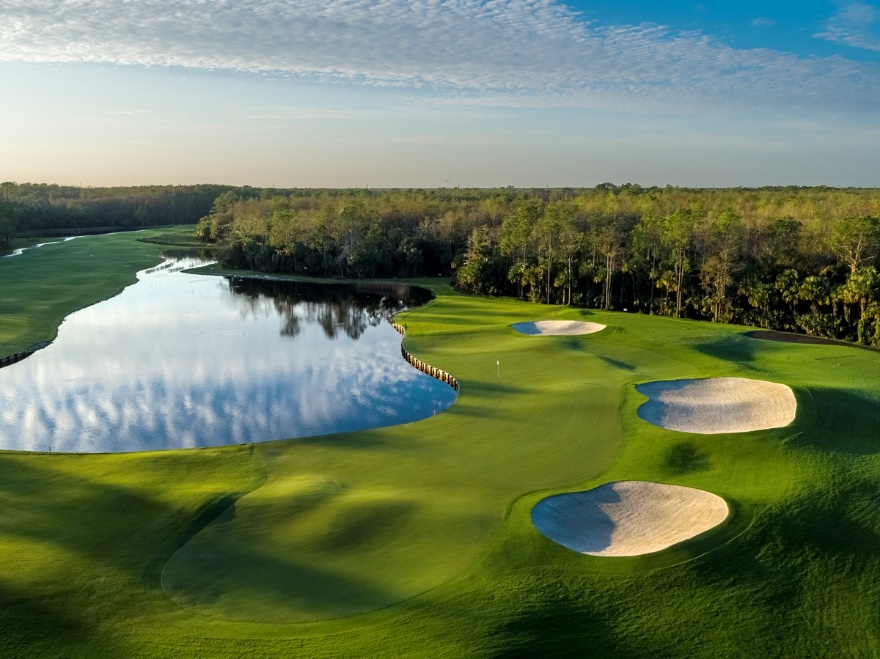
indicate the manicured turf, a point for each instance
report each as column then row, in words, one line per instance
column 39, row 288
column 416, row 540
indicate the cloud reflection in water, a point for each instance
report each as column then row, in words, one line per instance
column 181, row 360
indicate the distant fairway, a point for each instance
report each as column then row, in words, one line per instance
column 417, row 540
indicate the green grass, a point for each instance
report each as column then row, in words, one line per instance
column 416, row 540
column 39, row 288
column 181, row 236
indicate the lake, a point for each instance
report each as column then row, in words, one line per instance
column 182, row 360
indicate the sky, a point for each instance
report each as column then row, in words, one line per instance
column 434, row 93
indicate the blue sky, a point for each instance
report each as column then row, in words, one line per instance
column 426, row 93
column 804, row 27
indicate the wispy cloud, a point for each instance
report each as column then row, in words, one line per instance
column 521, row 51
column 854, row 24
column 763, row 22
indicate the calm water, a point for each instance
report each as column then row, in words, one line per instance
column 181, row 360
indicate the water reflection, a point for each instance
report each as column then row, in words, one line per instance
column 183, row 360
column 350, row 308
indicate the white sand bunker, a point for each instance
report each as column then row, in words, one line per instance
column 717, row 405
column 628, row 518
column 557, row 327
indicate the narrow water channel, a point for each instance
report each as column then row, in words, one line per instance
column 181, row 360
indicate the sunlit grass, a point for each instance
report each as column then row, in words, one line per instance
column 417, row 540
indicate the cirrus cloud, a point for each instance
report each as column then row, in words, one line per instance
column 854, row 24
column 530, row 51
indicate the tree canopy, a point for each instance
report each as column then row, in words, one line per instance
column 796, row 259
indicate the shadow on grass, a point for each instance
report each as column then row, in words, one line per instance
column 113, row 541
column 786, row 337
column 113, row 526
column 239, row 569
column 232, row 579
column 829, row 534
column 364, row 440
column 728, row 347
column 104, row 529
column 846, row 422
column 623, row 366
column 685, row 458
column 31, row 627
column 553, row 619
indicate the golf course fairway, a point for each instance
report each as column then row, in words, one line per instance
column 417, row 540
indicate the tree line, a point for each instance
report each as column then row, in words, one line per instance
column 785, row 258
column 32, row 209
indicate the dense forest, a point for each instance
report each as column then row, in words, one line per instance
column 789, row 258
column 31, row 209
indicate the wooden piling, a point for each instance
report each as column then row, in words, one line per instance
column 433, row 371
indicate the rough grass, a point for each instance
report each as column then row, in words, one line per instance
column 416, row 540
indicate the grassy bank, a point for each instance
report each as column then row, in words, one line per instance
column 416, row 540
column 39, row 288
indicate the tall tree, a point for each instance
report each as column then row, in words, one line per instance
column 862, row 287
column 722, row 248
column 546, row 236
column 677, row 236
column 516, row 232
column 7, row 226
column 856, row 241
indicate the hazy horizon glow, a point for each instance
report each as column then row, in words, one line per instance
column 426, row 93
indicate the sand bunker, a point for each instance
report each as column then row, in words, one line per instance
column 557, row 327
column 717, row 405
column 628, row 518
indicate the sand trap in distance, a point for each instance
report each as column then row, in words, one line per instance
column 628, row 518
column 557, row 327
column 717, row 405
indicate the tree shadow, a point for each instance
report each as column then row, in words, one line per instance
column 114, row 526
column 31, row 627
column 552, row 618
column 230, row 578
column 112, row 541
column 685, row 458
column 127, row 532
column 845, row 422
column 805, row 339
column 623, row 366
column 238, row 568
column 728, row 347
column 830, row 530
column 362, row 440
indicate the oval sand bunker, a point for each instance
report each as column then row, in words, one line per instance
column 628, row 518
column 717, row 405
column 557, row 327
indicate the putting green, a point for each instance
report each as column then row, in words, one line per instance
column 417, row 540
column 360, row 522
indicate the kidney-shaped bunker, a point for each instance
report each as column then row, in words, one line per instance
column 628, row 518
column 557, row 327
column 717, row 405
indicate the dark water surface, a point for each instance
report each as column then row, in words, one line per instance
column 181, row 360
